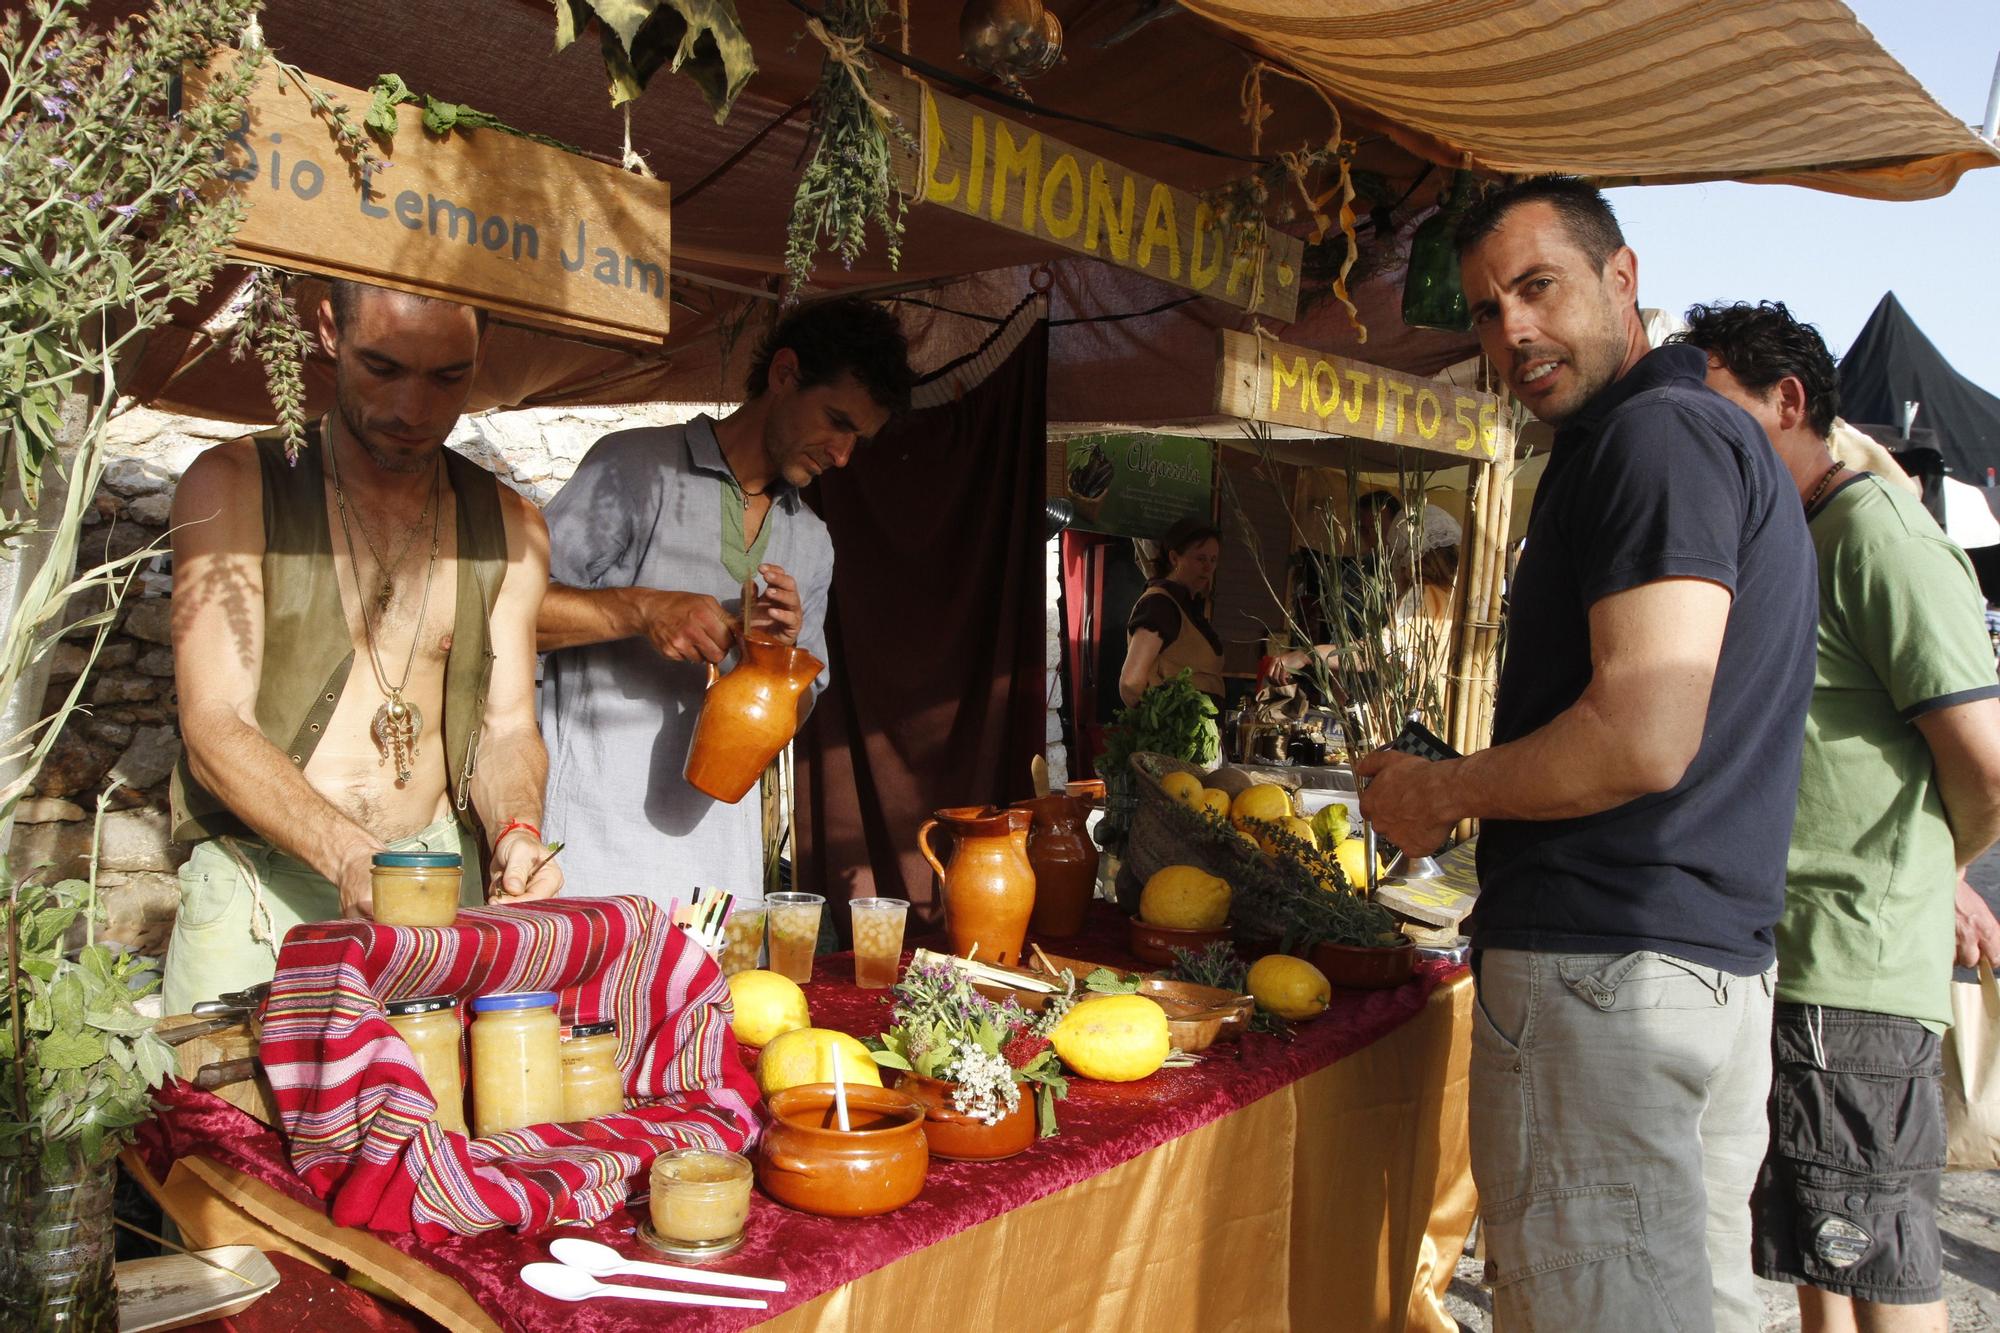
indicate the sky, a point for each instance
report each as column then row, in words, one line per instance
column 1830, row 258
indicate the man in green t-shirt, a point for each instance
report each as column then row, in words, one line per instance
column 1900, row 790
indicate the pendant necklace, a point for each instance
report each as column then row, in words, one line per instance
column 387, row 569
column 397, row 723
column 1824, row 481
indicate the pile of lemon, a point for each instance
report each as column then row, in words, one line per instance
column 1268, row 805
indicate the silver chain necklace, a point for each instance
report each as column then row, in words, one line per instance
column 397, row 723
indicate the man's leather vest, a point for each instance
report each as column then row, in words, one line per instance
column 307, row 651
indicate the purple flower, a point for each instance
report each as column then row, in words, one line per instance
column 126, row 210
column 59, row 164
column 69, row 86
column 55, row 107
column 6, row 270
column 96, row 201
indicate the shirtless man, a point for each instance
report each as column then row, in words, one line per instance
column 312, row 599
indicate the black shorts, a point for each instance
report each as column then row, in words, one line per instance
column 1847, row 1197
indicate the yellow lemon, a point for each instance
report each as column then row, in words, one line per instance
column 1186, row 897
column 1289, row 987
column 1353, row 857
column 1261, row 800
column 765, row 1006
column 1299, row 829
column 807, row 1055
column 1113, row 1038
column 1215, row 799
column 1183, row 787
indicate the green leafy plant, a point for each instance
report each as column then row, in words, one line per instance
column 1104, row 981
column 639, row 38
column 1172, row 718
column 389, row 91
column 941, row 1028
column 850, row 180
column 81, row 1062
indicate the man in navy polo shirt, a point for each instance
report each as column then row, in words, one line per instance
column 1637, row 801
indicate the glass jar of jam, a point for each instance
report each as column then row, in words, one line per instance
column 416, row 888
column 699, row 1202
column 591, row 1083
column 516, row 1062
column 431, row 1027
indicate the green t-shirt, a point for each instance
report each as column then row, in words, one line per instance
column 1872, row 873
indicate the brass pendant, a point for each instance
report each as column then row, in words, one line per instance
column 395, row 730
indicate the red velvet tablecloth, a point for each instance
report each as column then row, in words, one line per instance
column 1103, row 1125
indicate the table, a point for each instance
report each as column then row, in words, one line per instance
column 1327, row 1175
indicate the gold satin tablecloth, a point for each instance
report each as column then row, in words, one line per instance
column 1339, row 1202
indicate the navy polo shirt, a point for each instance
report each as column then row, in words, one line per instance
column 1657, row 477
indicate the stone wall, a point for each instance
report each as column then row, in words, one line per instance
column 120, row 749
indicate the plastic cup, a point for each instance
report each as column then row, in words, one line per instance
column 878, row 940
column 742, row 940
column 793, row 920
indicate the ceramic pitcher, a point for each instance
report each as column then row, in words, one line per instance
column 748, row 715
column 989, row 887
column 1064, row 860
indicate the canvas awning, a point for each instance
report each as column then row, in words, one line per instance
column 1641, row 92
column 1644, row 89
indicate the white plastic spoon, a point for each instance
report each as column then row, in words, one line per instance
column 601, row 1260
column 573, row 1284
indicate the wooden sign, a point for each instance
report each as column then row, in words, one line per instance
column 489, row 219
column 1000, row 171
column 1266, row 380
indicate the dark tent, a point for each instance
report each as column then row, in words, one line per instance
column 1891, row 363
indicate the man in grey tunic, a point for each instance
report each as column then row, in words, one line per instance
column 651, row 543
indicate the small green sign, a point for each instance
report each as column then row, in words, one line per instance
column 1139, row 485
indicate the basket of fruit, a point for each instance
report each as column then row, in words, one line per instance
column 1165, row 785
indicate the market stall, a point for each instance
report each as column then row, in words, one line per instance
column 1118, row 1216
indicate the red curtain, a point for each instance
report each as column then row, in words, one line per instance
column 934, row 626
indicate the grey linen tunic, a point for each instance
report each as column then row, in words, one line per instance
column 645, row 510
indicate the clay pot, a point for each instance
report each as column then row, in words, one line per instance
column 1156, row 944
column 1064, row 860
column 747, row 716
column 989, row 887
column 963, row 1138
column 806, row 1161
column 1366, row 967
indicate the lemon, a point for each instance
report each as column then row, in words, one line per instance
column 1186, row 897
column 1299, row 829
column 1113, row 1038
column 1215, row 799
column 807, row 1055
column 1260, row 800
column 1353, row 857
column 1289, row 987
column 765, row 1005
column 1183, row 787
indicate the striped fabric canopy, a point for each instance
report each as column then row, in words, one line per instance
column 1626, row 92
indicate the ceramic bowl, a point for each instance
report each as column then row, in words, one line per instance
column 1198, row 1016
column 1155, row 944
column 806, row 1161
column 1366, row 967
column 958, row 1137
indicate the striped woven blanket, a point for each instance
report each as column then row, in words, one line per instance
column 358, row 1117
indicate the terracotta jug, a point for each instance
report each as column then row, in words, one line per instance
column 989, row 887
column 748, row 715
column 1065, row 863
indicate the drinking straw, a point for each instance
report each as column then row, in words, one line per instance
column 840, row 1093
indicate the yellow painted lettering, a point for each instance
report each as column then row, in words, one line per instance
column 936, row 190
column 1062, row 225
column 1160, row 226
column 1428, row 398
column 1459, row 409
column 1102, row 217
column 1282, row 379
column 1489, row 428
column 1024, row 160
column 1402, row 392
column 1202, row 272
column 1241, row 267
column 1357, row 397
column 975, row 185
column 1325, row 400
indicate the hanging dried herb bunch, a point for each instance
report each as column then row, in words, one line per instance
column 270, row 330
column 849, row 180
